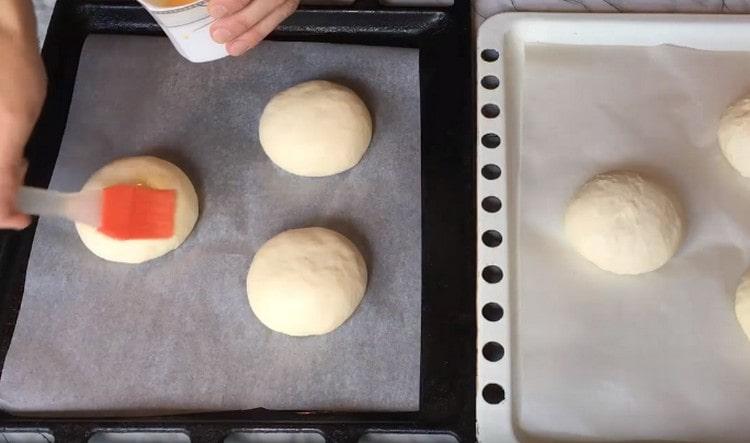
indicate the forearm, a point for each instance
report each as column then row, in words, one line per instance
column 22, row 79
column 17, row 24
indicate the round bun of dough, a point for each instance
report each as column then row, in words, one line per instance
column 315, row 129
column 154, row 173
column 742, row 304
column 306, row 281
column 734, row 136
column 624, row 223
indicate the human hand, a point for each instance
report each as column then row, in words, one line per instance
column 242, row 24
column 23, row 86
column 11, row 177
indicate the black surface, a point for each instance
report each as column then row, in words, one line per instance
column 448, row 360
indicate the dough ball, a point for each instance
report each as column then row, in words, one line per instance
column 734, row 136
column 306, row 281
column 742, row 304
column 154, row 173
column 315, row 129
column 624, row 223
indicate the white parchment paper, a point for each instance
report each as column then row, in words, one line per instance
column 657, row 356
column 176, row 334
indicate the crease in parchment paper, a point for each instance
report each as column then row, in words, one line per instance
column 176, row 334
column 655, row 356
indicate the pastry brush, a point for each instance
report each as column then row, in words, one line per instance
column 123, row 212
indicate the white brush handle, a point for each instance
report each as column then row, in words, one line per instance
column 84, row 207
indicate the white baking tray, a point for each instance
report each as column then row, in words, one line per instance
column 500, row 60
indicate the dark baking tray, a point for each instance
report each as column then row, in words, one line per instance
column 448, row 363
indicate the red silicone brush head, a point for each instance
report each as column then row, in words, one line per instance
column 137, row 212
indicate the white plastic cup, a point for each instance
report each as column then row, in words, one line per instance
column 187, row 26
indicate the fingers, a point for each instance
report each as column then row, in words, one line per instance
column 223, row 8
column 257, row 33
column 230, row 27
column 243, row 28
column 14, row 221
column 10, row 180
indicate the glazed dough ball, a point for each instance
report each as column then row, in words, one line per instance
column 315, row 129
column 154, row 173
column 306, row 281
column 734, row 136
column 742, row 304
column 624, row 223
